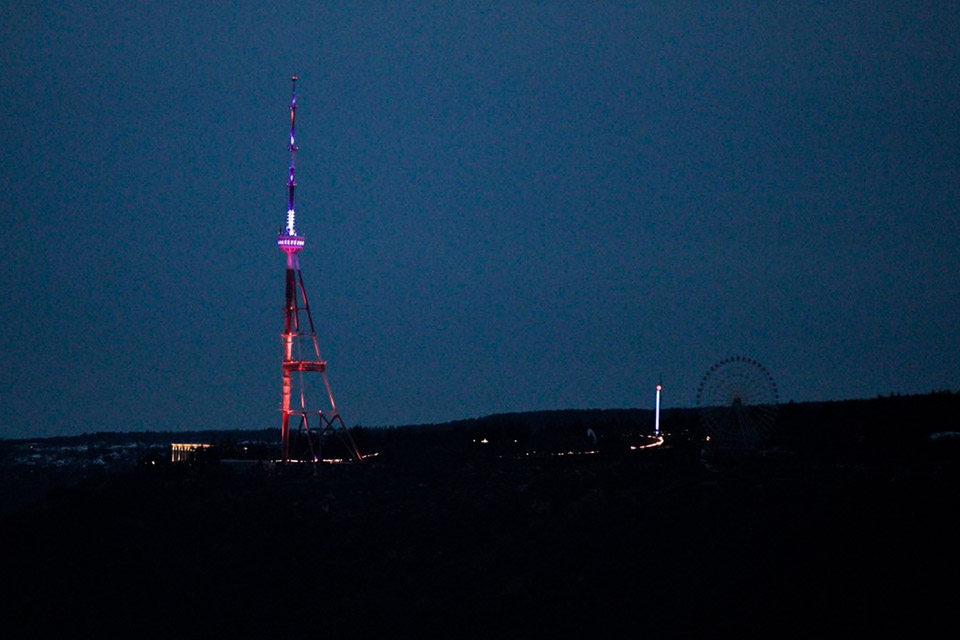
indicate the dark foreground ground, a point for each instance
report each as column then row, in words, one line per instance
column 846, row 535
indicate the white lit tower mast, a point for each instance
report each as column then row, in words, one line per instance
column 303, row 401
column 656, row 419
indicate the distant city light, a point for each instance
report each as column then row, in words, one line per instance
column 656, row 443
column 186, row 452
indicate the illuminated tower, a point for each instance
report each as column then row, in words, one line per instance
column 656, row 419
column 306, row 396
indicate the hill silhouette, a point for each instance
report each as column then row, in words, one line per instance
column 842, row 525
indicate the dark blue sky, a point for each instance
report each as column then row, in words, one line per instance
column 508, row 206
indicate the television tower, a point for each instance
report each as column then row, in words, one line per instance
column 303, row 400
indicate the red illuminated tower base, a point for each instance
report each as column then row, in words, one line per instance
column 305, row 402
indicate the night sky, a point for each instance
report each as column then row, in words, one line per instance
column 508, row 206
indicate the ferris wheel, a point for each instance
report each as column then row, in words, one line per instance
column 737, row 398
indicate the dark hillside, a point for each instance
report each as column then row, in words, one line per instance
column 845, row 527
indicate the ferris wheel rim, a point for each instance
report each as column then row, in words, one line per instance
column 738, row 400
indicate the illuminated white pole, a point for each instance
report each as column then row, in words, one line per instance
column 656, row 415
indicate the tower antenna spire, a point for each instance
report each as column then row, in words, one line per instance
column 291, row 183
